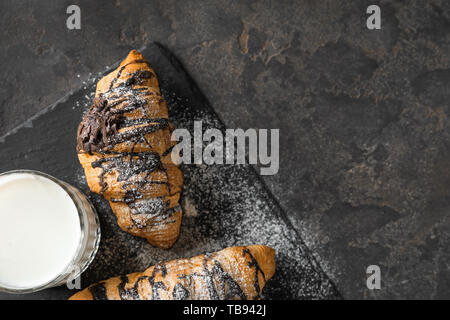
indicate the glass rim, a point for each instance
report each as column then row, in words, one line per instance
column 59, row 277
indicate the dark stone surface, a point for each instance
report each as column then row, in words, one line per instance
column 363, row 115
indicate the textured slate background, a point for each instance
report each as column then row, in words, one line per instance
column 363, row 115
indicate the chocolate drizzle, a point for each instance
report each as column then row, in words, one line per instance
column 98, row 131
column 220, row 284
column 98, row 292
column 119, row 73
column 97, row 127
column 128, row 165
column 254, row 264
column 138, row 134
column 226, row 288
column 128, row 294
column 125, row 122
column 157, row 285
column 136, row 78
column 205, row 277
column 180, row 292
column 132, row 293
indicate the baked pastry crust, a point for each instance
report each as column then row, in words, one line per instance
column 236, row 273
column 125, row 149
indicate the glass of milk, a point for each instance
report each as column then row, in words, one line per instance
column 49, row 232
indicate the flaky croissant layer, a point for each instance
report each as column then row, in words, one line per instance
column 230, row 274
column 124, row 147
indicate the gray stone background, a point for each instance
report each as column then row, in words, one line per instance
column 363, row 114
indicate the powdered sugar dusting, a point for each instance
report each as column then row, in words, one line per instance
column 189, row 208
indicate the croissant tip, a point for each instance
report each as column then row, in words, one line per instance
column 133, row 55
column 161, row 244
column 134, row 52
column 266, row 255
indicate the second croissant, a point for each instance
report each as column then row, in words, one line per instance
column 236, row 273
column 125, row 149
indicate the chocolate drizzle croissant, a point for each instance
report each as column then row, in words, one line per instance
column 125, row 149
column 230, row 274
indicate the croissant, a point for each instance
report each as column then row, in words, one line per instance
column 230, row 274
column 125, row 149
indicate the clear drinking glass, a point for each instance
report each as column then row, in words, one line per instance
column 89, row 239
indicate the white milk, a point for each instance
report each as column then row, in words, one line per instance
column 39, row 230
